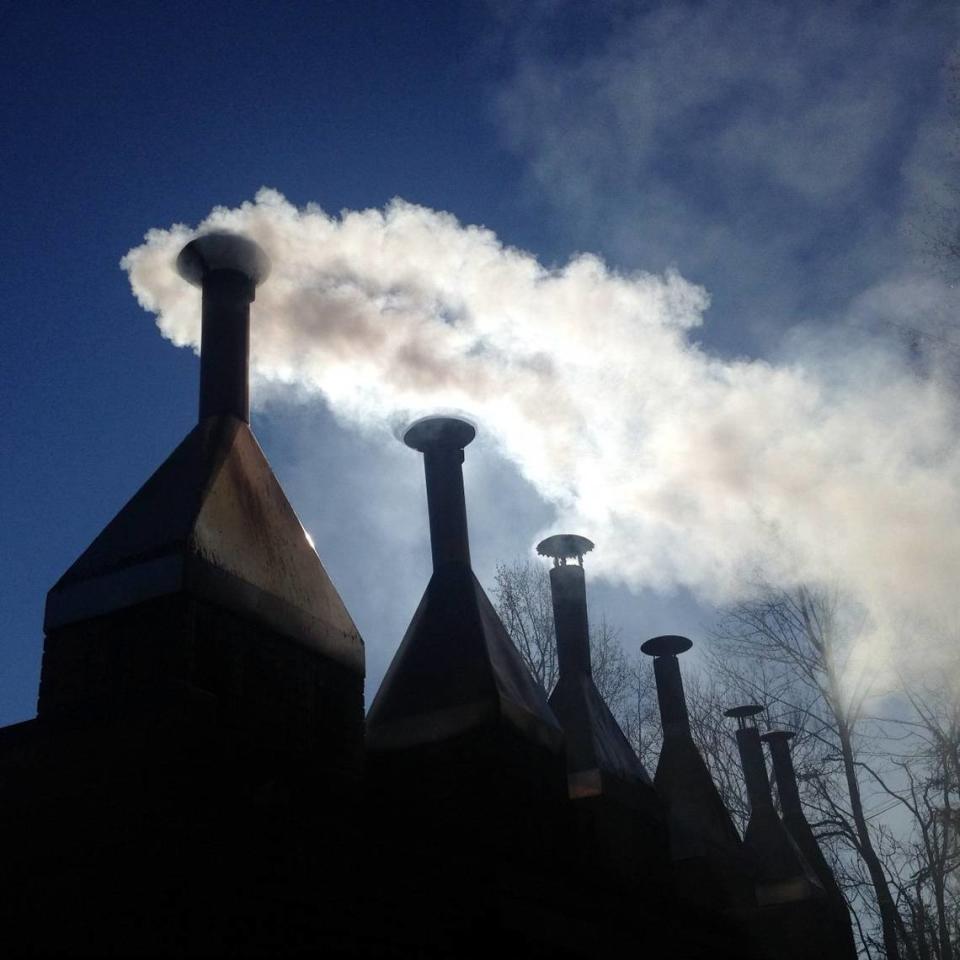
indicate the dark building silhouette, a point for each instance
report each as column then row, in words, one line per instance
column 200, row 723
column 465, row 755
column 200, row 779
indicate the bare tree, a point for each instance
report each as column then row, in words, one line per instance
column 798, row 638
column 641, row 714
column 612, row 671
column 521, row 595
column 882, row 795
column 923, row 861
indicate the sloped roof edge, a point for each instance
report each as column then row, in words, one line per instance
column 594, row 738
column 476, row 675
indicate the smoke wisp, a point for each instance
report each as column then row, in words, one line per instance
column 687, row 468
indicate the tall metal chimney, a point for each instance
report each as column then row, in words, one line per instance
column 457, row 668
column 670, row 696
column 228, row 268
column 569, row 592
column 441, row 440
column 751, row 756
column 208, row 548
column 783, row 771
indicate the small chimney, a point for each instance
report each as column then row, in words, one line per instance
column 666, row 668
column 782, row 874
column 441, row 440
column 751, row 756
column 228, row 268
column 569, row 592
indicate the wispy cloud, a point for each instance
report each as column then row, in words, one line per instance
column 774, row 152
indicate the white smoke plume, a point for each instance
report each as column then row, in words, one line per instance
column 689, row 468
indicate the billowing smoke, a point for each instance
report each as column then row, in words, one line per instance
column 689, row 468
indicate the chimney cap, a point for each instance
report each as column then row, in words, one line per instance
column 667, row 645
column 741, row 713
column 222, row 250
column 565, row 546
column 431, row 432
column 778, row 735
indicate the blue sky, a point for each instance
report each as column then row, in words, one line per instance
column 787, row 160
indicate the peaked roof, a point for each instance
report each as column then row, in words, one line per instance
column 594, row 738
column 700, row 825
column 457, row 669
column 782, row 872
column 213, row 522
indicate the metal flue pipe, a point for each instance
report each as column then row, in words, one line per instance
column 228, row 268
column 783, row 771
column 568, row 591
column 441, row 440
column 670, row 695
column 751, row 756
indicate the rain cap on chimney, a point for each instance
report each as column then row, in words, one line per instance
column 212, row 522
column 222, row 251
column 457, row 668
column 228, row 268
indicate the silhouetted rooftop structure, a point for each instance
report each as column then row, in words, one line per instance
column 700, row 825
column 200, row 780
column 596, row 746
column 456, row 667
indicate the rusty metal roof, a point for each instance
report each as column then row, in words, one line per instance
column 214, row 522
